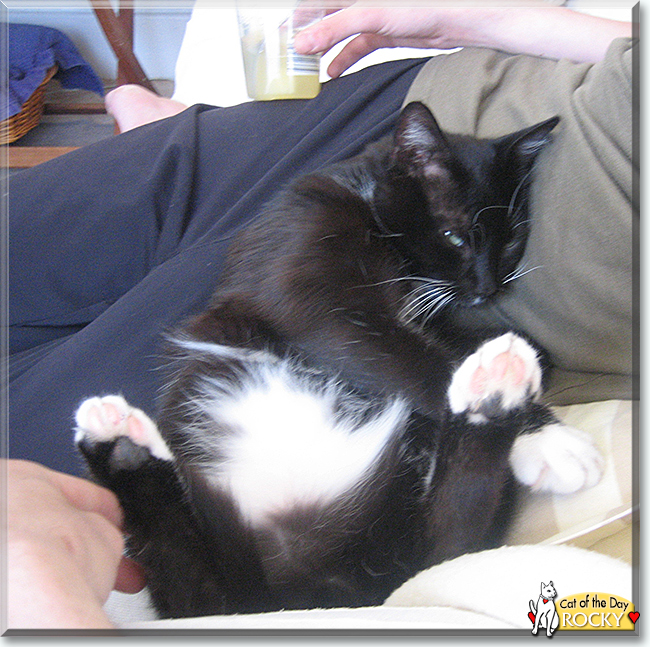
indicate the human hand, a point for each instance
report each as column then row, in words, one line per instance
column 376, row 27
column 64, row 550
column 542, row 30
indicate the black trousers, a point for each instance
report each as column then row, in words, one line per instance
column 114, row 244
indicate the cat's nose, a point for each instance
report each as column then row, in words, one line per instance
column 486, row 287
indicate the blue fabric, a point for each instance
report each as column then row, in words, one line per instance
column 33, row 50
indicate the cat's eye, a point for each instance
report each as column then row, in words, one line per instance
column 453, row 239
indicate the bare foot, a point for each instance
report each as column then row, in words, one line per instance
column 132, row 106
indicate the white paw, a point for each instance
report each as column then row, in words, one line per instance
column 558, row 458
column 501, row 375
column 105, row 419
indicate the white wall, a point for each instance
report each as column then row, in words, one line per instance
column 612, row 9
column 159, row 30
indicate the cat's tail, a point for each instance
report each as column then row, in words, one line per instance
column 532, row 606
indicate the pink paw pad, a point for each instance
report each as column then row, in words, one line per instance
column 505, row 368
column 105, row 419
column 502, row 372
column 113, row 414
column 136, row 430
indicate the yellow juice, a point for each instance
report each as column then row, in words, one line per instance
column 273, row 69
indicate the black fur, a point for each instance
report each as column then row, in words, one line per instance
column 323, row 278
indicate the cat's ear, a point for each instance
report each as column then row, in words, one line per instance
column 522, row 147
column 420, row 145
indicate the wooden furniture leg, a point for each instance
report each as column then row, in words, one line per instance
column 118, row 29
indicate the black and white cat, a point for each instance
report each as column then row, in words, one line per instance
column 327, row 431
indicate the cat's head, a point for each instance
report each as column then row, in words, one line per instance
column 548, row 590
column 456, row 208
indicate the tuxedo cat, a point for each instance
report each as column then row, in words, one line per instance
column 327, row 431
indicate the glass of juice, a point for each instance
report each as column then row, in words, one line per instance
column 272, row 67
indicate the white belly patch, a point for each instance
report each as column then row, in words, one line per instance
column 288, row 443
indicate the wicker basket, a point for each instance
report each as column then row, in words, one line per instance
column 29, row 116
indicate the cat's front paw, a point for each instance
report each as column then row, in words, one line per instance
column 502, row 375
column 558, row 458
column 125, row 436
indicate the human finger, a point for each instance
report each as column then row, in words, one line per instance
column 354, row 51
column 338, row 26
column 88, row 497
column 79, row 493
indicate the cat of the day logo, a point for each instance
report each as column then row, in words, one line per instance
column 580, row 611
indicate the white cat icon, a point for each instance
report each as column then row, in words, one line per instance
column 543, row 614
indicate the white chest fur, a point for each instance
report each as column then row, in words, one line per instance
column 288, row 443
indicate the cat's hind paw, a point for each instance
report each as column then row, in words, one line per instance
column 502, row 375
column 558, row 459
column 111, row 422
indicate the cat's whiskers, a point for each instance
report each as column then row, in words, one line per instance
column 518, row 272
column 427, row 289
column 414, row 307
column 520, row 223
column 427, row 299
column 515, row 193
column 438, row 300
column 491, row 206
column 397, row 279
column 442, row 303
column 478, row 227
column 387, row 235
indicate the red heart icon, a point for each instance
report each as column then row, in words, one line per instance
column 531, row 615
column 634, row 616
